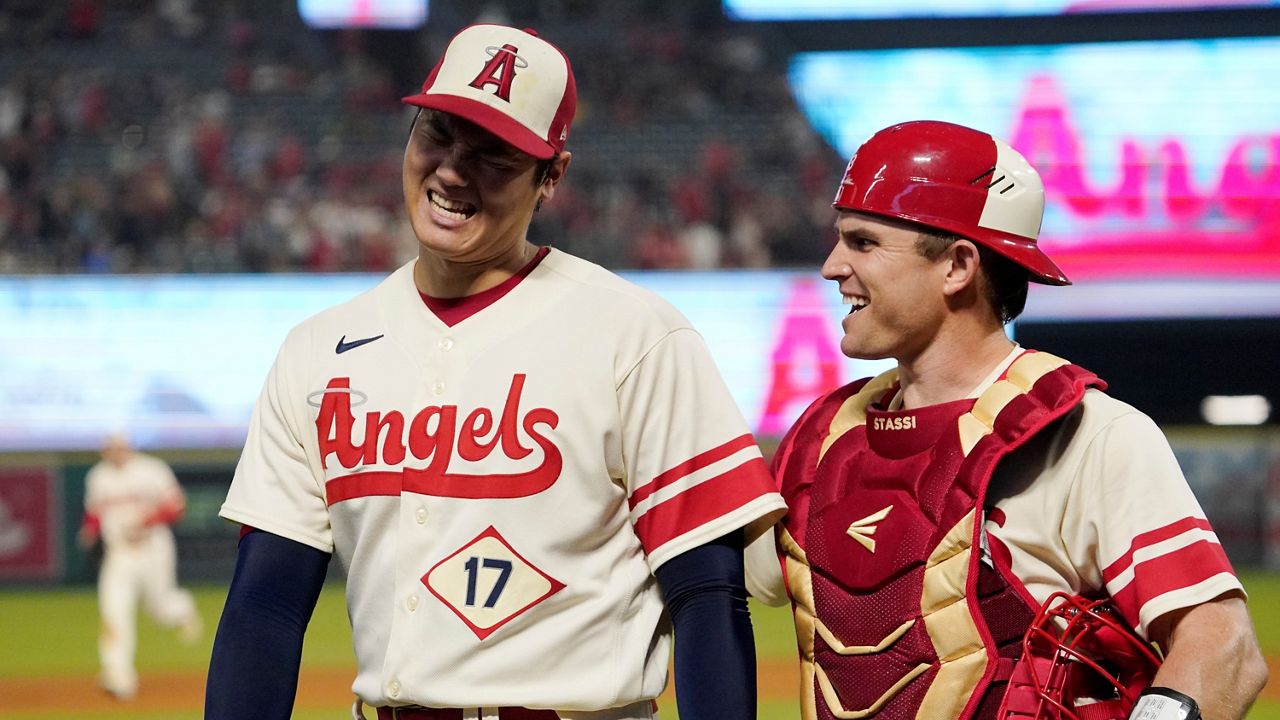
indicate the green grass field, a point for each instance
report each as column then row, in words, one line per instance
column 52, row 633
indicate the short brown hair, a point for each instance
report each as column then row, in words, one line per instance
column 1004, row 281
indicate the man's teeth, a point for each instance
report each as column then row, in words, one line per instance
column 451, row 208
column 856, row 301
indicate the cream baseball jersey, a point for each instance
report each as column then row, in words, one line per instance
column 1124, row 520
column 124, row 499
column 500, row 491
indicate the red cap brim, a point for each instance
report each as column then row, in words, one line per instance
column 494, row 121
column 1027, row 254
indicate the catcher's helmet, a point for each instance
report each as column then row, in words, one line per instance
column 1078, row 654
column 953, row 179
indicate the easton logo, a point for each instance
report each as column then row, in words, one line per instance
column 432, row 436
column 862, row 530
column 500, row 70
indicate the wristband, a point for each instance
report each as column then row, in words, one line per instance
column 1159, row 703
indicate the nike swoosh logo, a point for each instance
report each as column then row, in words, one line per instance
column 344, row 346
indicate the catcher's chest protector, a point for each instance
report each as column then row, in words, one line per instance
column 896, row 614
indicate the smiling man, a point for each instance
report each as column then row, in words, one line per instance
column 949, row 518
column 530, row 469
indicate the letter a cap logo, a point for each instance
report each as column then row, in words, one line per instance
column 510, row 82
column 862, row 530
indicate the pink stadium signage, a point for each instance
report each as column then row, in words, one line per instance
column 1161, row 159
column 1162, row 219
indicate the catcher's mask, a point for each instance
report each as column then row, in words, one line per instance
column 1080, row 661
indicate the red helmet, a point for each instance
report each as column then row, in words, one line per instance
column 1078, row 654
column 957, row 180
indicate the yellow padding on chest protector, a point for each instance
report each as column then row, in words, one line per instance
column 950, row 625
column 1022, row 375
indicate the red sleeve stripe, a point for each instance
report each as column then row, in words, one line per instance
column 703, row 503
column 1160, row 549
column 166, row 515
column 697, row 477
column 388, row 482
column 1150, row 538
column 1185, row 568
column 692, row 465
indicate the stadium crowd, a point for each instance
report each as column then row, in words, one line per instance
column 143, row 136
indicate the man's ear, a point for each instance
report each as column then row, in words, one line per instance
column 963, row 263
column 555, row 173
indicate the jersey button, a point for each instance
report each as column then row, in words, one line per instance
column 446, row 344
column 421, row 516
column 412, row 603
column 393, row 688
column 438, row 388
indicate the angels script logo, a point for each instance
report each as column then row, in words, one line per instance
column 432, row 436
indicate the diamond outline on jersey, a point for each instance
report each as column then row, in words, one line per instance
column 484, row 587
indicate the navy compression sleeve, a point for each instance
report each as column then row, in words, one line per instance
column 715, row 656
column 256, row 653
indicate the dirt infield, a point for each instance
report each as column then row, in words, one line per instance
column 319, row 689
column 159, row 692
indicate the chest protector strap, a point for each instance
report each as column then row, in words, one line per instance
column 897, row 616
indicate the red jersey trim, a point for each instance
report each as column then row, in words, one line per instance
column 690, row 466
column 703, row 503
column 1149, row 538
column 1184, row 568
column 166, row 514
column 452, row 311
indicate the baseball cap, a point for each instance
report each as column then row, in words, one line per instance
column 510, row 82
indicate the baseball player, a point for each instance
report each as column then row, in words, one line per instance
column 131, row 499
column 529, row 468
column 933, row 510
